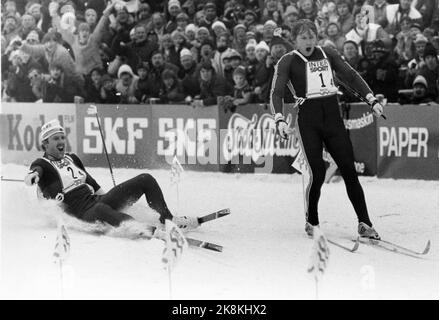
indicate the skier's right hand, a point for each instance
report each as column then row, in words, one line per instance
column 32, row 178
column 282, row 127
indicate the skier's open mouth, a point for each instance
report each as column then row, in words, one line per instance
column 308, row 49
column 60, row 148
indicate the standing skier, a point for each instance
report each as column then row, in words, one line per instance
column 308, row 73
column 63, row 177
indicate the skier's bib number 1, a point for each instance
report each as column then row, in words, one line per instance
column 319, row 78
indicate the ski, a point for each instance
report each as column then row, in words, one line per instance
column 353, row 249
column 213, row 216
column 204, row 244
column 396, row 248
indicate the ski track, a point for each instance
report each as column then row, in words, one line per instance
column 266, row 252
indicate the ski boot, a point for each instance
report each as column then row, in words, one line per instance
column 367, row 232
column 186, row 223
column 309, row 229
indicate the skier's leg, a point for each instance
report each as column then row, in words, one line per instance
column 131, row 190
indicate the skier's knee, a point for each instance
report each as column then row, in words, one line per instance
column 146, row 177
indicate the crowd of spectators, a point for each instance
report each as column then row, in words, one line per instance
column 207, row 52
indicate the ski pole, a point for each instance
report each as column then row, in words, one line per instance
column 93, row 110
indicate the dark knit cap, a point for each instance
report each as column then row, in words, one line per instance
column 430, row 50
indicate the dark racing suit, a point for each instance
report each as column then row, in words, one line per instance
column 68, row 181
column 319, row 123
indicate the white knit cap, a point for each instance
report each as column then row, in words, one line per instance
column 125, row 69
column 251, row 44
column 185, row 52
column 263, row 45
column 219, row 24
column 50, row 128
column 173, row 3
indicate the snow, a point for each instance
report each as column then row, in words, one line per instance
column 266, row 253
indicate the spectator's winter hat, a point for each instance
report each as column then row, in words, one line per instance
column 230, row 54
column 52, row 35
column 33, row 6
column 207, row 66
column 378, row 46
column 84, row 26
column 420, row 38
column 252, row 13
column 430, row 50
column 202, row 28
column 125, row 69
column 210, row 4
column 191, row 27
column 251, row 44
column 68, row 21
column 185, row 52
column 240, row 70
column 277, row 39
column 420, row 80
column 174, row 3
column 182, row 16
column 33, row 36
column 50, row 128
column 168, row 74
column 270, row 24
column 239, row 26
column 106, row 78
column 290, row 10
column 219, row 24
column 262, row 45
column 250, row 35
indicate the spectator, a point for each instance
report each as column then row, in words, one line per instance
column 142, row 92
column 222, row 44
column 231, row 60
column 27, row 25
column 272, row 11
column 414, row 65
column 61, row 87
column 384, row 72
column 126, row 84
column 242, row 91
column 91, row 18
column 33, row 37
column 182, row 20
column 178, row 44
column 10, row 28
column 144, row 15
column 351, row 54
column 290, row 16
column 430, row 70
column 380, row 11
column 333, row 33
column 189, row 73
column 158, row 25
column 365, row 32
column 419, row 93
column 395, row 13
column 346, row 19
column 239, row 39
column 93, row 86
column 218, row 28
column 85, row 45
column 190, row 32
column 250, row 60
column 54, row 53
column 212, row 86
column 404, row 41
column 172, row 90
column 250, row 19
column 108, row 90
column 174, row 8
column 267, row 32
column 42, row 17
column 158, row 65
column 308, row 9
column 140, row 49
column 207, row 52
column 210, row 11
column 19, row 86
column 262, row 73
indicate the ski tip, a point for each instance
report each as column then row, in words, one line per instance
column 427, row 247
column 356, row 245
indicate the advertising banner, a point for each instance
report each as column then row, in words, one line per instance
column 250, row 143
column 20, row 127
column 408, row 142
column 127, row 134
column 192, row 134
column 361, row 126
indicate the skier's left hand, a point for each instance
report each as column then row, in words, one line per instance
column 377, row 109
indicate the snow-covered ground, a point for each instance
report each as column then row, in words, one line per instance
column 266, row 252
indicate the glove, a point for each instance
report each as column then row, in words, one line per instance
column 32, row 178
column 282, row 127
column 376, row 106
